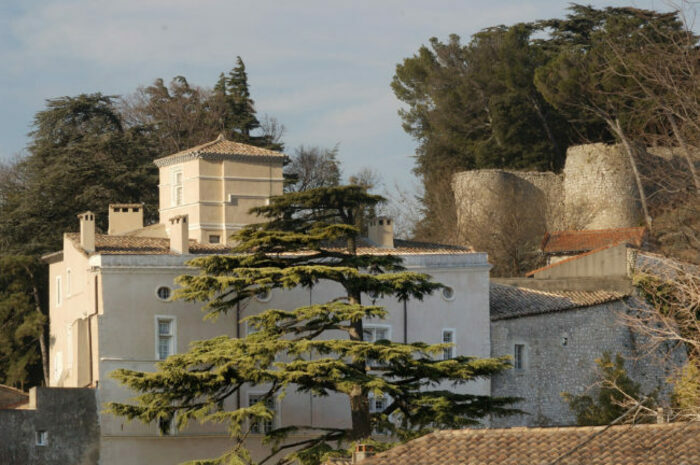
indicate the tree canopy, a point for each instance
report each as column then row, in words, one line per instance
column 307, row 238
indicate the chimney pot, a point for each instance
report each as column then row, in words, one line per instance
column 87, row 231
column 179, row 235
column 362, row 451
column 124, row 218
column 380, row 231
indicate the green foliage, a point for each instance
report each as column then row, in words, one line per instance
column 21, row 323
column 309, row 239
column 81, row 158
column 615, row 390
column 239, row 121
column 686, row 390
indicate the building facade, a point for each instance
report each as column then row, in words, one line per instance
column 110, row 303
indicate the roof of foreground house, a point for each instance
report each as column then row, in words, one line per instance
column 136, row 245
column 219, row 147
column 583, row 241
column 658, row 444
column 512, row 302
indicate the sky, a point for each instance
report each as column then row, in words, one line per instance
column 322, row 68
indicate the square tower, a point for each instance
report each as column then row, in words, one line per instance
column 216, row 184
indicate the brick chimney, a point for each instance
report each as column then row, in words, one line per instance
column 381, row 232
column 179, row 235
column 125, row 217
column 362, row 451
column 87, row 231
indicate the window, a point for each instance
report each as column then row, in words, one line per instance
column 165, row 337
column 519, row 357
column 59, row 291
column 57, row 366
column 166, row 426
column 42, row 438
column 214, row 239
column 262, row 426
column 163, row 292
column 448, row 293
column 68, row 283
column 232, row 200
column 377, row 404
column 263, row 295
column 177, row 189
column 448, row 337
column 374, row 333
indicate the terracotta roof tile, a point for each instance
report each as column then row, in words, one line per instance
column 220, row 146
column 583, row 241
column 662, row 444
column 135, row 245
column 512, row 302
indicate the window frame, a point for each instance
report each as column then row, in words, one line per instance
column 177, row 188
column 59, row 291
column 173, row 335
column 373, row 363
column 453, row 349
column 170, row 294
column 519, row 357
column 276, row 418
column 217, row 236
column 68, row 282
column 41, row 438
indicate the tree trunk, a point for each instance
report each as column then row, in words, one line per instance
column 686, row 153
column 42, row 332
column 359, row 403
column 617, row 129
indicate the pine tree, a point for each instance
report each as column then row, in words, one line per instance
column 291, row 351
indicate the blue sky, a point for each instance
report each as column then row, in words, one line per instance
column 322, row 68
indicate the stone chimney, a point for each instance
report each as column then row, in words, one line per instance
column 179, row 235
column 362, row 451
column 87, row 231
column 381, row 232
column 124, row 217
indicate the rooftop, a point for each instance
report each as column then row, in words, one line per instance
column 217, row 148
column 512, row 302
column 671, row 443
column 135, row 245
column 586, row 240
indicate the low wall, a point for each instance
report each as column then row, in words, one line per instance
column 64, row 419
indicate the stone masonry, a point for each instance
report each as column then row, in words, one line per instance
column 560, row 349
column 58, row 426
column 596, row 190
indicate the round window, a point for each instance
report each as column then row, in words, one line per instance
column 163, row 292
column 373, row 295
column 448, row 293
column 263, row 295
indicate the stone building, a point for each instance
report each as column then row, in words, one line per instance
column 52, row 426
column 110, row 301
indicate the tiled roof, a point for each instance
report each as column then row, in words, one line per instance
column 658, row 444
column 219, row 146
column 135, row 245
column 512, row 302
column 583, row 241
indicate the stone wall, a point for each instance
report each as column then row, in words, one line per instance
column 560, row 353
column 69, row 418
column 596, row 190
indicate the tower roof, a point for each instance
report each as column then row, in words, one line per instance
column 218, row 149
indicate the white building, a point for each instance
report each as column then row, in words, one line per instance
column 110, row 307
